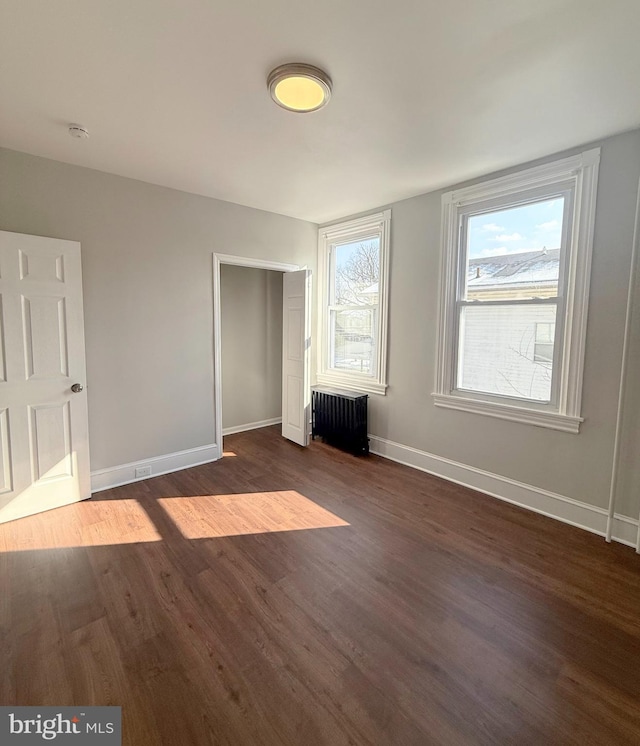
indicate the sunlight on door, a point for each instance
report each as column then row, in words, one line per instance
column 44, row 442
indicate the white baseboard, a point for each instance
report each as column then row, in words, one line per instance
column 104, row 479
column 556, row 506
column 251, row 426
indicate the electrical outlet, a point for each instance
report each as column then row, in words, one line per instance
column 143, row 471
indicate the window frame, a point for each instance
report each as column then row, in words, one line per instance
column 575, row 178
column 359, row 229
column 563, row 190
column 543, row 359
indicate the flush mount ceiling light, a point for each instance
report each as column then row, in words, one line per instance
column 298, row 87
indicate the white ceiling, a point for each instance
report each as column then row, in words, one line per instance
column 425, row 94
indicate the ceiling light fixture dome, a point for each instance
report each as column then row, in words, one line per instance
column 299, row 87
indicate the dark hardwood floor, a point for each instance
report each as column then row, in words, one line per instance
column 306, row 597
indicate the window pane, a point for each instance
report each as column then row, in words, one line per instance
column 498, row 350
column 543, row 349
column 357, row 273
column 352, row 340
column 515, row 254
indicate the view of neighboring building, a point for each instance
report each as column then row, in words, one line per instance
column 504, row 349
column 508, row 349
column 354, row 322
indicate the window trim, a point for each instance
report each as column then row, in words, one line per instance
column 542, row 360
column 581, row 173
column 566, row 191
column 378, row 224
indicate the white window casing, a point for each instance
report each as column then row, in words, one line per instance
column 359, row 229
column 574, row 178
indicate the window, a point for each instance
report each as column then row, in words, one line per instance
column 514, row 292
column 353, row 268
column 544, row 340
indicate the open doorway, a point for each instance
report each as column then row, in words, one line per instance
column 251, row 338
column 294, row 327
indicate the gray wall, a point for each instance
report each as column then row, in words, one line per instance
column 148, row 312
column 628, row 488
column 251, row 321
column 577, row 466
column 147, row 274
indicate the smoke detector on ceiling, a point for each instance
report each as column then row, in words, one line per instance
column 77, row 130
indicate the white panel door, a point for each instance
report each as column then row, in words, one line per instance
column 44, row 447
column 296, row 348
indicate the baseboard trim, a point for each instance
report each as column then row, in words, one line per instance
column 115, row 476
column 251, row 426
column 551, row 504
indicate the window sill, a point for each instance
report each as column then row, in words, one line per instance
column 352, row 383
column 552, row 420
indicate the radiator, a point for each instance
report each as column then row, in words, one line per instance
column 340, row 418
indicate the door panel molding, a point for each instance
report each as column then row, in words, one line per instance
column 296, row 336
column 44, row 453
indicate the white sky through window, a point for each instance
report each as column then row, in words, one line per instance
column 345, row 251
column 528, row 228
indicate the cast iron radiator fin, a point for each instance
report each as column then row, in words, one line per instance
column 340, row 418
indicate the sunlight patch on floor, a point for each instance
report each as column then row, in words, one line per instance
column 85, row 524
column 209, row 516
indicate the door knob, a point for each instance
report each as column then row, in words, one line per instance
column 77, row 388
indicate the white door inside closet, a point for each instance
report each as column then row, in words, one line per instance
column 296, row 350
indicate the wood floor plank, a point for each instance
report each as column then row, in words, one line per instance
column 301, row 597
